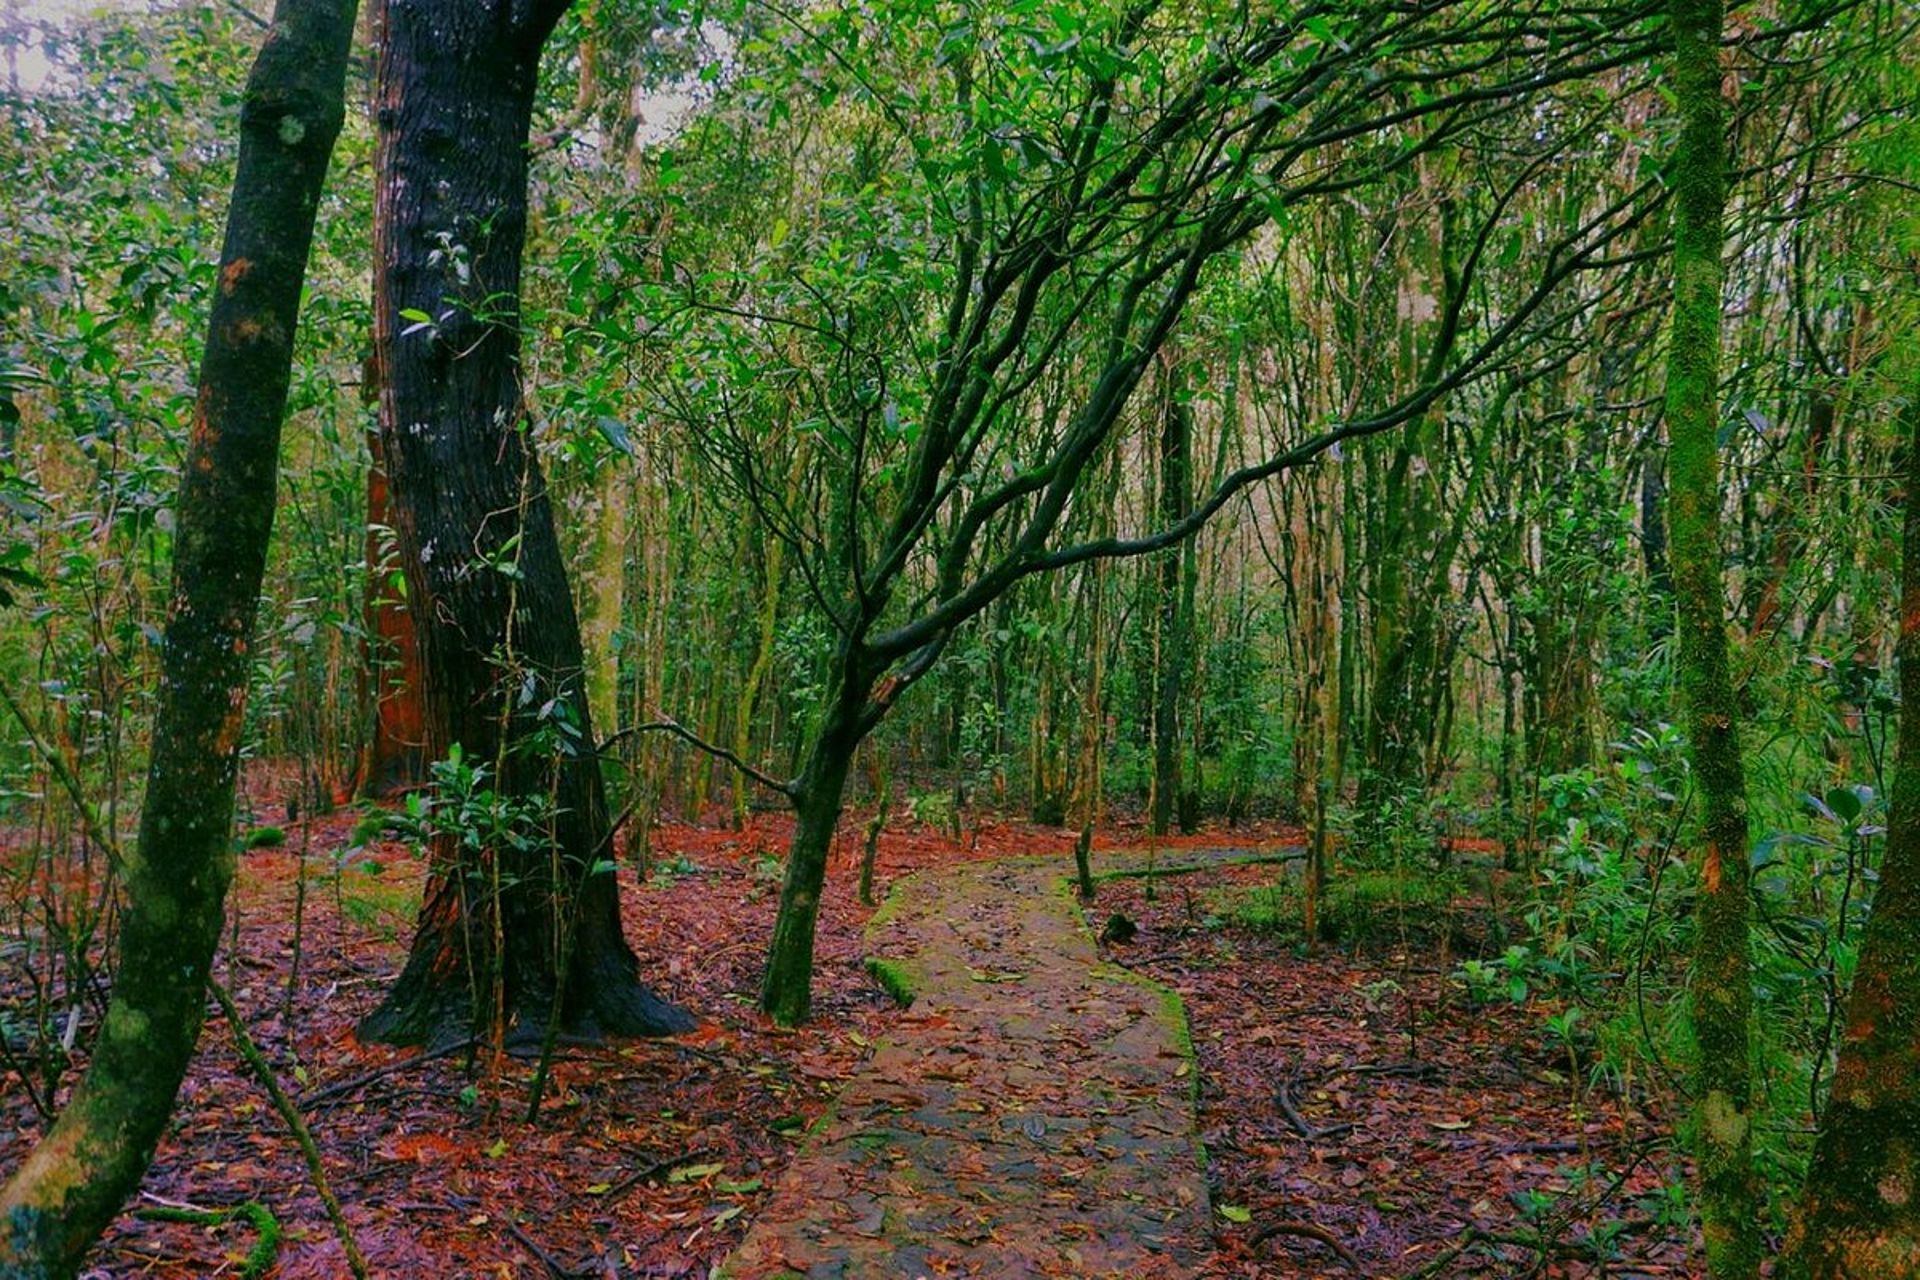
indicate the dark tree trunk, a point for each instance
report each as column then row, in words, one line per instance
column 71, row 1184
column 1722, row 994
column 1404, row 625
column 1653, row 536
column 1860, row 1216
column 504, row 930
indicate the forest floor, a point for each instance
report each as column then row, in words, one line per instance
column 1358, row 1115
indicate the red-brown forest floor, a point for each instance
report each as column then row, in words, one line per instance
column 650, row 1158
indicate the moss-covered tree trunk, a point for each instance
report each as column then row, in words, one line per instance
column 1722, row 1122
column 1860, row 1214
column 72, row 1183
column 818, row 796
column 516, row 934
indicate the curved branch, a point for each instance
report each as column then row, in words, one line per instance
column 666, row 724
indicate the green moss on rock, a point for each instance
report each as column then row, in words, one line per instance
column 893, row 978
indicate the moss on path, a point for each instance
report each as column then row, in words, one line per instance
column 1032, row 1116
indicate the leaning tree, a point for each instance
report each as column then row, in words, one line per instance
column 73, row 1182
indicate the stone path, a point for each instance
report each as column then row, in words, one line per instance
column 1033, row 1115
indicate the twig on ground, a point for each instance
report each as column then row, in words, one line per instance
column 1312, row 1133
column 1404, row 1070
column 1309, row 1231
column 314, row 1098
column 546, row 1259
column 1139, row 962
column 653, row 1171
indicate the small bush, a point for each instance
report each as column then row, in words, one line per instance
column 1370, row 905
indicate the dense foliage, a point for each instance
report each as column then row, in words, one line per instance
column 780, row 257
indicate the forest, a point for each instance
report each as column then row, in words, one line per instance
column 1029, row 638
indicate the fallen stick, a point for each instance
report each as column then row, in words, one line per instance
column 1405, row 1070
column 266, row 1249
column 308, row 1101
column 547, row 1260
column 1309, row 1231
column 1311, row 1133
column 653, row 1171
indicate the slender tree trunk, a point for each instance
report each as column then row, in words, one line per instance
column 819, row 794
column 521, row 935
column 73, row 1182
column 1722, row 1123
column 1860, row 1214
column 1176, row 607
column 766, row 633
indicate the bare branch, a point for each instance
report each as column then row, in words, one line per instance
column 666, row 724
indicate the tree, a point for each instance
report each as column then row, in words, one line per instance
column 1174, row 650
column 71, row 1184
column 1859, row 1215
column 1059, row 195
column 520, row 930
column 1722, row 986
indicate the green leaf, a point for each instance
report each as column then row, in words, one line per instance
column 1236, row 1213
column 694, row 1172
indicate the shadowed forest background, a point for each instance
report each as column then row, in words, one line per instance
column 1435, row 474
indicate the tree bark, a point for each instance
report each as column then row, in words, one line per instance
column 786, row 991
column 509, row 937
column 1722, row 1123
column 395, row 758
column 73, row 1182
column 1859, row 1217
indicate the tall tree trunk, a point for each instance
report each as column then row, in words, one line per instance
column 1860, row 1214
column 1406, row 532
column 609, row 541
column 1722, row 1123
column 766, row 634
column 1176, row 605
column 72, row 1183
column 516, row 936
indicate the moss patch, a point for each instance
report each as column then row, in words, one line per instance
column 893, row 978
column 891, row 905
column 266, row 1249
